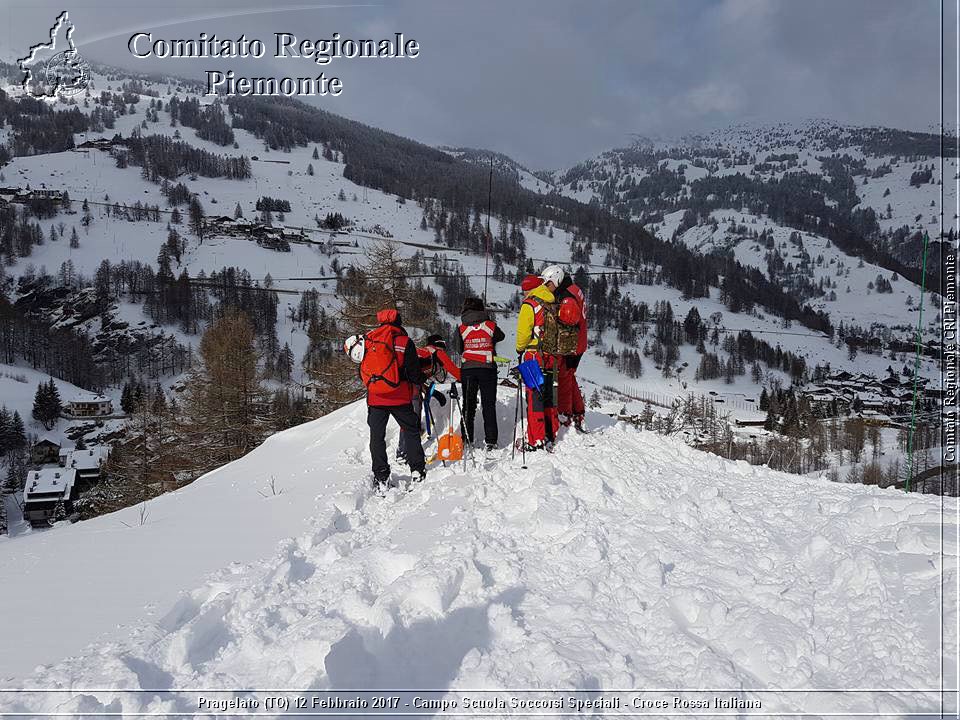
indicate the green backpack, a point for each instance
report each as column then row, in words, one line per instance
column 557, row 338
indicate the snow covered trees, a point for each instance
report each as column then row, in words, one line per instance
column 594, row 403
column 47, row 404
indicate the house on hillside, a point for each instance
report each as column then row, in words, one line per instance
column 272, row 238
column 312, row 391
column 102, row 144
column 47, row 493
column 88, row 464
column 89, row 405
column 45, row 450
column 842, row 392
column 23, row 195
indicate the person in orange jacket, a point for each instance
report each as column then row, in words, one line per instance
column 435, row 362
column 391, row 372
column 435, row 366
column 542, row 422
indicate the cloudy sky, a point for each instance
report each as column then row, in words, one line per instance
column 551, row 82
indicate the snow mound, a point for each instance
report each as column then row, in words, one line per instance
column 622, row 560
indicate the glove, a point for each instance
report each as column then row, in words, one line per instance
column 572, row 361
column 453, row 391
column 440, row 398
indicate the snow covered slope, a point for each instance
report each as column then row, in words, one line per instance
column 622, row 560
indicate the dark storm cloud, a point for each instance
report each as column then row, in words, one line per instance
column 551, row 82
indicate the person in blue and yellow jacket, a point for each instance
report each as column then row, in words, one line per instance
column 543, row 422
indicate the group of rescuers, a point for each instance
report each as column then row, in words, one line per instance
column 399, row 376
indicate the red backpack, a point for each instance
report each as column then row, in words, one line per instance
column 380, row 367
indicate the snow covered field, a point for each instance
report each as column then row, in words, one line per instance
column 623, row 560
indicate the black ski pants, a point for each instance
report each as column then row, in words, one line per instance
column 409, row 422
column 482, row 380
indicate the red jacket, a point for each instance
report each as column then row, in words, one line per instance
column 432, row 353
column 409, row 366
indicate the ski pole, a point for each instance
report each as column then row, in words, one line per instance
column 463, row 435
column 516, row 415
column 523, row 431
column 455, row 396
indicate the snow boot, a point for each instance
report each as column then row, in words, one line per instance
column 527, row 446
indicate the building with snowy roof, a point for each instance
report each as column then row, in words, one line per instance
column 89, row 405
column 87, row 463
column 45, row 491
column 45, row 450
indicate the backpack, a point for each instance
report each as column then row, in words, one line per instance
column 380, row 368
column 556, row 337
column 431, row 368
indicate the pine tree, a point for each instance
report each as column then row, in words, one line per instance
column 54, row 405
column 237, row 212
column 284, row 365
column 87, row 217
column 18, row 433
column 40, row 405
column 126, row 398
column 74, row 238
column 316, row 155
column 196, row 217
column 5, row 430
column 12, row 482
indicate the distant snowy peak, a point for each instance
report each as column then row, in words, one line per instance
column 816, row 135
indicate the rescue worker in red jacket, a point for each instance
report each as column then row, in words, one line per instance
column 572, row 311
column 479, row 336
column 435, row 366
column 542, row 424
column 386, row 398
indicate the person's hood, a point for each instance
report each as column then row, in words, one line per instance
column 472, row 317
column 390, row 316
column 530, row 282
column 542, row 293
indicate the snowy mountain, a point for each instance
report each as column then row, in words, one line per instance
column 892, row 177
column 622, row 560
column 539, row 182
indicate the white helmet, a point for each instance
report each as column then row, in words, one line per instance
column 554, row 274
column 353, row 346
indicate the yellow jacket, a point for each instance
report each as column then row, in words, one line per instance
column 525, row 337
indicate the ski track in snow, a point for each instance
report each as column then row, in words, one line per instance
column 622, row 560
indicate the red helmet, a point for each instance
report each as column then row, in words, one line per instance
column 530, row 282
column 569, row 312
